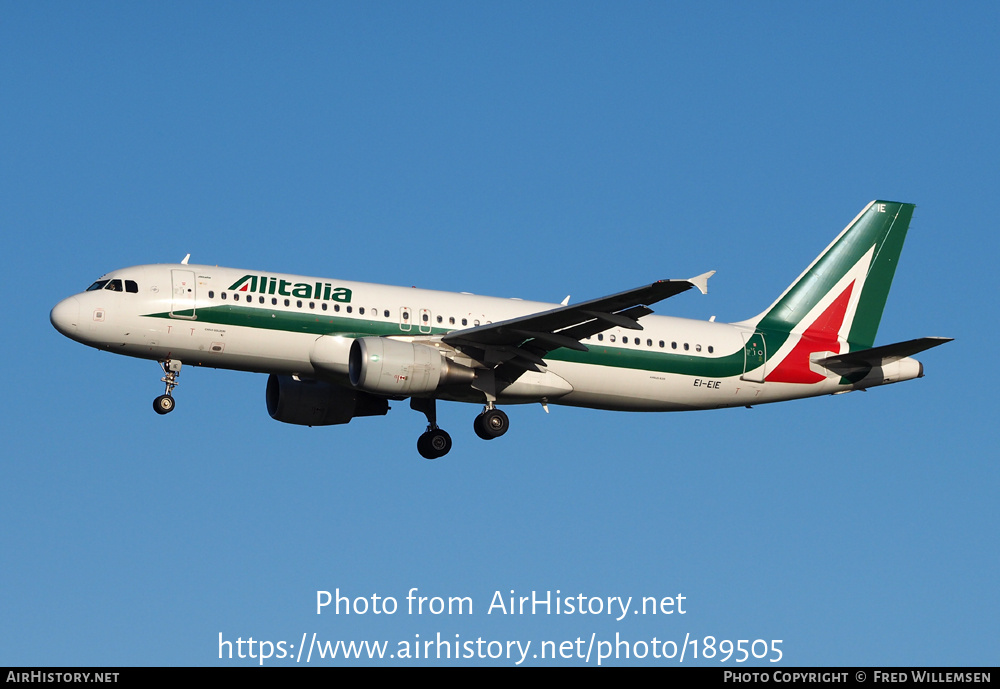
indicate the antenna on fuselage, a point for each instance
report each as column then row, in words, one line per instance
column 185, row 261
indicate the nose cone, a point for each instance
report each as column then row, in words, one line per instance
column 65, row 317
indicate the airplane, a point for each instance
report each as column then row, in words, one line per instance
column 336, row 350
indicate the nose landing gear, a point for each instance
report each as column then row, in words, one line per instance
column 164, row 404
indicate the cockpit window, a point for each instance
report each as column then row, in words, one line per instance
column 115, row 286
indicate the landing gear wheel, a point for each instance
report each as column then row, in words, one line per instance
column 433, row 444
column 477, row 426
column 164, row 404
column 492, row 423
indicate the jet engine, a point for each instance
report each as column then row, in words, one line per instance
column 318, row 403
column 392, row 367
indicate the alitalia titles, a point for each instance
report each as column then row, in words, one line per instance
column 266, row 284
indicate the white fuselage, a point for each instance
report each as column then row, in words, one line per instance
column 302, row 326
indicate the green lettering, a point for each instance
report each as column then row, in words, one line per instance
column 242, row 281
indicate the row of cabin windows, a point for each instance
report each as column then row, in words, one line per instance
column 298, row 303
column 425, row 317
column 649, row 343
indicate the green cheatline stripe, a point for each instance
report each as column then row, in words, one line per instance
column 599, row 354
column 659, row 362
column 296, row 322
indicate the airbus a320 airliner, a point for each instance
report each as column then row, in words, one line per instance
column 336, row 350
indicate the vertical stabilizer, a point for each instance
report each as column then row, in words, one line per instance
column 841, row 295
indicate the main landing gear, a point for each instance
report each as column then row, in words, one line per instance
column 492, row 423
column 435, row 442
column 164, row 404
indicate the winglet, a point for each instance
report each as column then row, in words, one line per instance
column 184, row 261
column 701, row 281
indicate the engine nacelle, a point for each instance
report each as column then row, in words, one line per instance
column 391, row 367
column 318, row 403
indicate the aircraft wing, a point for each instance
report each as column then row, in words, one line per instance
column 518, row 344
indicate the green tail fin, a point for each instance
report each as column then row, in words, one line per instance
column 844, row 290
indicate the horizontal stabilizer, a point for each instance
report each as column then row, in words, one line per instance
column 866, row 359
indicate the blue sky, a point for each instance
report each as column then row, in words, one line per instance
column 512, row 150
